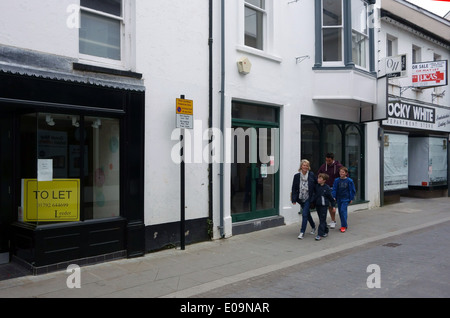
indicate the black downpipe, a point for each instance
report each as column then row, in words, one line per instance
column 210, row 168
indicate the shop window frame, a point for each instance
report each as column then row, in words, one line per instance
column 82, row 123
column 320, row 125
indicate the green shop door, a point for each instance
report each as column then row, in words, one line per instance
column 254, row 170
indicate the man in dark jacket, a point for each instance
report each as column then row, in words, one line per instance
column 331, row 168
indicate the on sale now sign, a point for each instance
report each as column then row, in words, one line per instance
column 429, row 74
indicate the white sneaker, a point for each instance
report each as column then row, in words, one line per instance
column 332, row 225
column 300, row 237
column 313, row 231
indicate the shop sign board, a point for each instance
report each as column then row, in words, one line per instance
column 429, row 74
column 404, row 114
column 185, row 113
column 393, row 66
column 50, row 201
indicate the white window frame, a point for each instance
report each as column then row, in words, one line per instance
column 366, row 39
column 394, row 42
column 416, row 54
column 264, row 23
column 268, row 32
column 125, row 39
column 341, row 28
column 438, row 89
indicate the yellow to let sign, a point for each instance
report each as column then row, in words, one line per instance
column 51, row 201
column 185, row 107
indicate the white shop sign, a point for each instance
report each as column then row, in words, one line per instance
column 403, row 114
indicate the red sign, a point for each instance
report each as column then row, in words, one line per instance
column 436, row 77
column 429, row 74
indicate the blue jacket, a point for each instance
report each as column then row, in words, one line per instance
column 322, row 196
column 343, row 189
column 312, row 181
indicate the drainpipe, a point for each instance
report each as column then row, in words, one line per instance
column 222, row 113
column 210, row 45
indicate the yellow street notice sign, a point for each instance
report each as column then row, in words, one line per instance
column 51, row 201
column 185, row 107
column 185, row 113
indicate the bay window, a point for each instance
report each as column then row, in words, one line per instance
column 344, row 37
column 332, row 30
column 360, row 33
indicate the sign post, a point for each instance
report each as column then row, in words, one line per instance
column 185, row 114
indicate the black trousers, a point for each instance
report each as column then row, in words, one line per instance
column 322, row 211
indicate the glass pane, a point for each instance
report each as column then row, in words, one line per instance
column 353, row 155
column 108, row 6
column 242, row 170
column 8, row 208
column 240, row 188
column 254, row 28
column 28, row 163
column 333, row 141
column 252, row 112
column 50, row 187
column 332, row 45
column 58, row 185
column 395, row 162
column 102, row 181
column 359, row 49
column 100, row 36
column 359, row 16
column 389, row 49
column 265, row 179
column 311, row 143
column 253, row 170
column 257, row 3
column 332, row 12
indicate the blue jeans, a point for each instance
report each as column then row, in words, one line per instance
column 342, row 207
column 306, row 216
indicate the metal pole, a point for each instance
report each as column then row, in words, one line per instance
column 182, row 189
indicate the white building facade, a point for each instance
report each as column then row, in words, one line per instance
column 416, row 129
column 307, row 82
column 92, row 87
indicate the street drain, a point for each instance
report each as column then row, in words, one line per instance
column 392, row 244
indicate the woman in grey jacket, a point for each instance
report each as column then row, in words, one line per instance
column 302, row 192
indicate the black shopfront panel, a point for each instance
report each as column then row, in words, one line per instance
column 92, row 135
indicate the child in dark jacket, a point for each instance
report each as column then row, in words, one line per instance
column 322, row 199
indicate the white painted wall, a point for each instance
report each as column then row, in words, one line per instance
column 428, row 47
column 23, row 25
column 172, row 54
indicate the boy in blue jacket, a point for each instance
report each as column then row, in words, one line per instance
column 322, row 198
column 344, row 192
